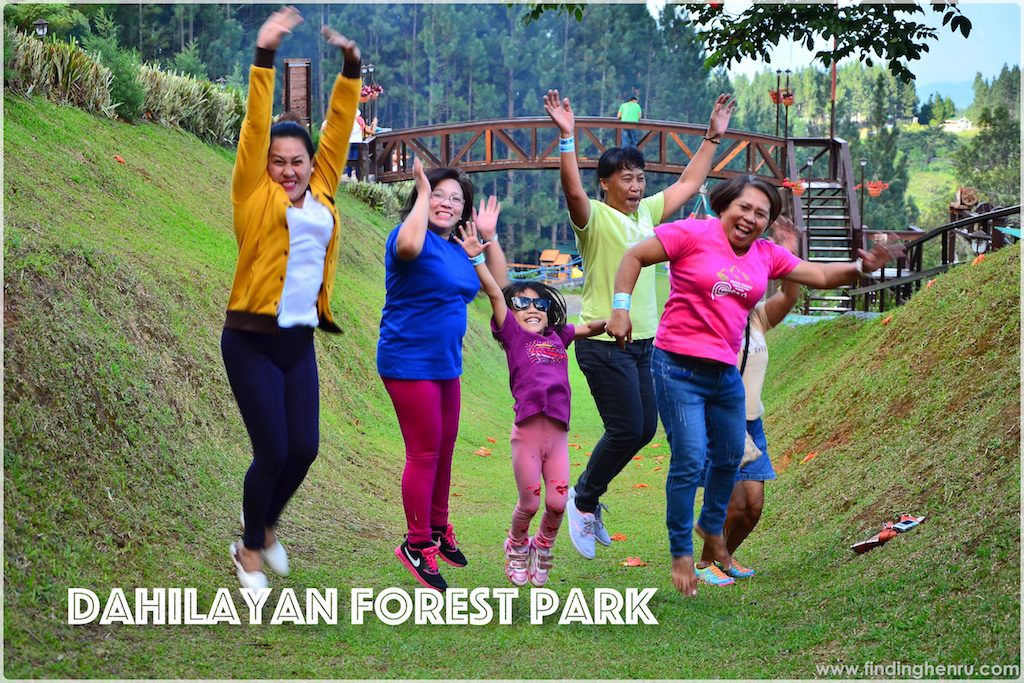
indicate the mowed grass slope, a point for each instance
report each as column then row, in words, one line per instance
column 124, row 455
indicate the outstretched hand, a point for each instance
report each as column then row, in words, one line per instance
column 347, row 46
column 560, row 112
column 486, row 218
column 469, row 238
column 725, row 105
column 420, row 178
column 786, row 235
column 880, row 254
column 276, row 27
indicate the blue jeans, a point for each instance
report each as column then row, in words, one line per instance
column 629, row 137
column 701, row 404
column 620, row 382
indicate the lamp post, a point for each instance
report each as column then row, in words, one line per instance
column 787, row 99
column 778, row 89
column 979, row 241
column 41, row 27
column 863, row 165
column 368, row 78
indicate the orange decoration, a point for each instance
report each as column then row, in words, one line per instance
column 491, row 439
column 978, row 259
column 887, row 320
column 118, row 159
column 810, row 456
column 633, row 562
column 640, row 486
column 618, row 537
column 482, row 451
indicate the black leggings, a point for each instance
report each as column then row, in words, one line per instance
column 274, row 380
column 620, row 382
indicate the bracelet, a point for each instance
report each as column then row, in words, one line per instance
column 621, row 300
column 567, row 144
column 713, row 141
column 478, row 259
column 859, row 265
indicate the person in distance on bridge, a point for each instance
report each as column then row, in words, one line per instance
column 287, row 229
column 619, row 378
column 429, row 283
column 719, row 269
column 629, row 112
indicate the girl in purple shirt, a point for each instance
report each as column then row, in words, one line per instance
column 529, row 323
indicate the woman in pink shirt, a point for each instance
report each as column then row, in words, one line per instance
column 719, row 271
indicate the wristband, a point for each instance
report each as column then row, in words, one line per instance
column 567, row 144
column 478, row 259
column 859, row 265
column 621, row 300
column 713, row 141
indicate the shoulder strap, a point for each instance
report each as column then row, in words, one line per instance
column 746, row 347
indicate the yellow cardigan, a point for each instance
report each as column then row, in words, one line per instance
column 259, row 205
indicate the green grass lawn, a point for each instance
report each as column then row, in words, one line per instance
column 124, row 454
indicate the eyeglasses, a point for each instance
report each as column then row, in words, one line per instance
column 521, row 303
column 454, row 200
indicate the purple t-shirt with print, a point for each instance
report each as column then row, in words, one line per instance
column 538, row 369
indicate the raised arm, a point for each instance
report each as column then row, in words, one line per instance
column 647, row 253
column 341, row 111
column 254, row 136
column 778, row 305
column 413, row 231
column 696, row 171
column 576, row 197
column 469, row 238
column 486, row 223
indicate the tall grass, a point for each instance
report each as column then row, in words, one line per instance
column 198, row 106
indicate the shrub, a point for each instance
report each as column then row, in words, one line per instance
column 198, row 106
column 386, row 198
column 126, row 91
column 57, row 70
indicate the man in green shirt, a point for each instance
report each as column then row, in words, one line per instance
column 619, row 378
column 629, row 112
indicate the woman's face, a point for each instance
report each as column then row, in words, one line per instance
column 446, row 205
column 746, row 218
column 624, row 189
column 530, row 319
column 289, row 166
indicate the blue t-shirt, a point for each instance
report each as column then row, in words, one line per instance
column 424, row 316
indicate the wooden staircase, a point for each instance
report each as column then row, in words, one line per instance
column 826, row 213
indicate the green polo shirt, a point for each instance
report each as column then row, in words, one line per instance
column 601, row 243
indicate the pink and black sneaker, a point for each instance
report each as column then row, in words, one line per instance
column 422, row 564
column 448, row 546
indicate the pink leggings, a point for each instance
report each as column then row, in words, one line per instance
column 540, row 450
column 428, row 413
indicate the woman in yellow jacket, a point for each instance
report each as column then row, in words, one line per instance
column 286, row 225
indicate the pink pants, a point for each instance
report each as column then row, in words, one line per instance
column 428, row 413
column 540, row 451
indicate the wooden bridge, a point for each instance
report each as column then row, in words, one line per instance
column 532, row 143
column 825, row 208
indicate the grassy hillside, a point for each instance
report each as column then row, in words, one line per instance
column 124, row 454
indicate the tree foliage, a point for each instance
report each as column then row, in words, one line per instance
column 990, row 162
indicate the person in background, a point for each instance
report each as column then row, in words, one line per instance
column 629, row 112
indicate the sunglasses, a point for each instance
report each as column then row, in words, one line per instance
column 521, row 303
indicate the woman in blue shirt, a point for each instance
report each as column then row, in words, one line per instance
column 430, row 282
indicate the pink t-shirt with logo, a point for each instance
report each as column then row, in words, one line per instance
column 713, row 289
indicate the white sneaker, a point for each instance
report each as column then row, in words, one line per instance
column 253, row 580
column 516, row 563
column 275, row 556
column 540, row 562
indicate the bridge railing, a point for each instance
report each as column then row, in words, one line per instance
column 532, row 143
column 902, row 286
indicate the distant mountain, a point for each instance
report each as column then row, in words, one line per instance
column 962, row 92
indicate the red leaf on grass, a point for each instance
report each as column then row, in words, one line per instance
column 810, row 457
column 618, row 537
column 978, row 259
column 656, row 469
column 640, row 486
column 633, row 562
column 887, row 320
column 118, row 159
column 655, row 445
column 491, row 439
column 482, row 451
column 638, row 457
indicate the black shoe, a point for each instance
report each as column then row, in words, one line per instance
column 422, row 563
column 449, row 547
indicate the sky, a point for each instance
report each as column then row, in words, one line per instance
column 994, row 41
